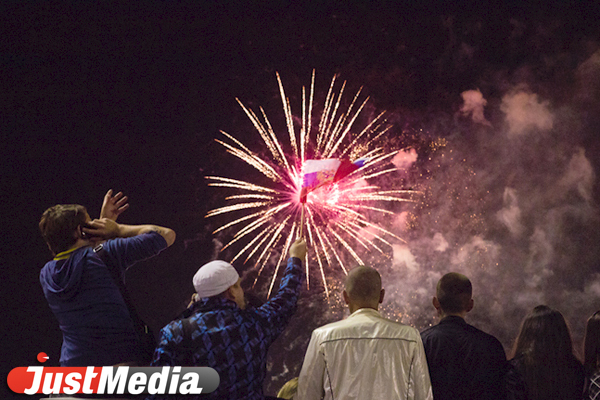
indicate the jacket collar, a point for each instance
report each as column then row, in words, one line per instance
column 453, row 319
column 213, row 303
column 365, row 311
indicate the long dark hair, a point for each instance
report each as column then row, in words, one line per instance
column 591, row 343
column 545, row 350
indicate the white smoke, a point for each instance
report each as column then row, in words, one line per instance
column 511, row 207
column 404, row 159
column 579, row 176
column 510, row 215
column 404, row 258
column 525, row 113
column 473, row 105
column 588, row 74
column 439, row 243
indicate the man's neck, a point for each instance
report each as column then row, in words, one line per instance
column 461, row 315
column 79, row 243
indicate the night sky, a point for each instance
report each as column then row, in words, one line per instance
column 501, row 105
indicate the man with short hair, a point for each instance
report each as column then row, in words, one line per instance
column 364, row 356
column 464, row 362
column 219, row 330
column 80, row 283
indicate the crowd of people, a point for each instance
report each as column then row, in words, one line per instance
column 364, row 356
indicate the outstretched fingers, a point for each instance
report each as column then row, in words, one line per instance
column 113, row 205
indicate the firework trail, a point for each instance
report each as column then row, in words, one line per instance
column 335, row 221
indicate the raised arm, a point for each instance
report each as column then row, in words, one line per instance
column 279, row 309
column 106, row 228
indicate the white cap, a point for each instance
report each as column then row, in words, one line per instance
column 214, row 278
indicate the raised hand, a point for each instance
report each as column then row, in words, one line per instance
column 298, row 249
column 113, row 206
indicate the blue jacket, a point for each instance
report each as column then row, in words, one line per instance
column 94, row 320
column 233, row 341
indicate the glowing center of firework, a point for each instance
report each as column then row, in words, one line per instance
column 336, row 221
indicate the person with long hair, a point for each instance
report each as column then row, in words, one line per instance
column 591, row 362
column 544, row 367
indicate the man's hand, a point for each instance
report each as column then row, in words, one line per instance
column 113, row 206
column 102, row 229
column 298, row 249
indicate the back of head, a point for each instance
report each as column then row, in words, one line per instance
column 544, row 331
column 214, row 278
column 545, row 349
column 454, row 292
column 591, row 346
column 363, row 286
column 58, row 224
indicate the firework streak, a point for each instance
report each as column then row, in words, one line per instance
column 335, row 213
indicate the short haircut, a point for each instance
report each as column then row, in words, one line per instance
column 363, row 284
column 454, row 292
column 58, row 224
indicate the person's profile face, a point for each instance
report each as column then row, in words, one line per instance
column 238, row 294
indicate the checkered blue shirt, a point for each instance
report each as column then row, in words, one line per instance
column 593, row 390
column 232, row 341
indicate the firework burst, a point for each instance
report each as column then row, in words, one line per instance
column 335, row 216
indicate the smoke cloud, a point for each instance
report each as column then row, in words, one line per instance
column 525, row 113
column 507, row 200
column 474, row 103
column 404, row 159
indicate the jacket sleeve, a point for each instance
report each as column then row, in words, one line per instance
column 166, row 352
column 311, row 379
column 419, row 379
column 124, row 252
column 279, row 309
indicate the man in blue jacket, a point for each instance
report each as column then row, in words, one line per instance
column 220, row 331
column 80, row 288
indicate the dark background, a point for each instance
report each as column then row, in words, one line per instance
column 130, row 95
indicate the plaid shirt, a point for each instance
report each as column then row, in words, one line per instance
column 593, row 386
column 232, row 341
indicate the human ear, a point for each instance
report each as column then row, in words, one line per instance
column 470, row 305
column 346, row 297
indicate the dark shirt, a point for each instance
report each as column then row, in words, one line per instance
column 220, row 335
column 555, row 385
column 95, row 322
column 464, row 362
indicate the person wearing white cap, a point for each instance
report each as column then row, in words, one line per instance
column 218, row 277
column 220, row 331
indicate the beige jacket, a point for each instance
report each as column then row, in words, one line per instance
column 364, row 357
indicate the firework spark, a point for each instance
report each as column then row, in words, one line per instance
column 335, row 215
